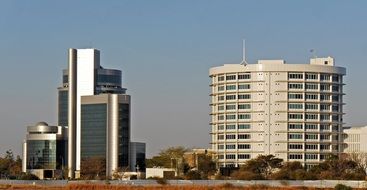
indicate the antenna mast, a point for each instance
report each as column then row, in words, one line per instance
column 244, row 62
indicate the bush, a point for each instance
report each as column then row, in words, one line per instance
column 193, row 175
column 246, row 175
column 342, row 187
column 28, row 176
column 161, row 181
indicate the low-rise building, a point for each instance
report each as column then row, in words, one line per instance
column 355, row 139
column 44, row 151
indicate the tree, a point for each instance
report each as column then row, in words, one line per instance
column 338, row 168
column 93, row 168
column 206, row 166
column 259, row 168
column 290, row 171
column 167, row 157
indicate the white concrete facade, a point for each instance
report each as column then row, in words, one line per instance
column 355, row 139
column 87, row 63
column 293, row 111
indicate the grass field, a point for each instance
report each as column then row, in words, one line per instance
column 157, row 187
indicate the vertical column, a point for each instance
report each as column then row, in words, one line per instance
column 112, row 134
column 24, row 161
column 72, row 89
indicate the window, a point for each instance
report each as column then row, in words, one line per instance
column 335, row 98
column 335, row 118
column 312, row 106
column 220, row 117
column 312, row 116
column 244, row 76
column 231, row 107
column 335, row 78
column 244, row 96
column 221, row 78
column 295, row 126
column 324, row 146
column 220, row 156
column 295, row 96
column 244, row 116
column 311, row 96
column 335, row 88
column 295, row 86
column 295, row 156
column 311, row 76
column 244, row 136
column 231, row 156
column 231, row 87
column 244, row 106
column 220, row 98
column 244, row 146
column 220, row 88
column 312, row 136
column 295, row 76
column 220, row 107
column 324, row 87
column 220, row 127
column 324, row 117
column 243, row 156
column 230, row 117
column 324, row 77
column 335, row 128
column 231, row 77
column 230, row 127
column 295, row 146
column 220, row 137
column 311, row 126
column 311, row 156
column 220, row 146
column 295, row 106
column 230, row 97
column 230, row 146
column 324, row 97
column 230, row 136
column 244, row 126
column 243, row 86
column 311, row 146
column 324, row 107
column 335, row 108
column 324, row 127
column 295, row 116
column 311, row 86
column 295, row 136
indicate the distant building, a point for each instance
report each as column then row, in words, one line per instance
column 44, row 150
column 167, row 173
column 94, row 106
column 137, row 156
column 192, row 157
column 292, row 111
column 355, row 139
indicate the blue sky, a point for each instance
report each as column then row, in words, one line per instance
column 165, row 49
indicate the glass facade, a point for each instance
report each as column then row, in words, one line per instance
column 41, row 154
column 93, row 130
column 124, row 131
column 115, row 79
column 63, row 108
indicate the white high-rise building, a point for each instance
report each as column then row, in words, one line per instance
column 292, row 111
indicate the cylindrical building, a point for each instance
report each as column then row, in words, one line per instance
column 292, row 111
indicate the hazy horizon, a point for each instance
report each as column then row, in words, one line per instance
column 165, row 50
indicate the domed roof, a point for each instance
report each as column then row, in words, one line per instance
column 41, row 124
